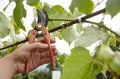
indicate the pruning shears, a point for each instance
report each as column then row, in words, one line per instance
column 41, row 26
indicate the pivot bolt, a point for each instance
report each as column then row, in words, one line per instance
column 39, row 26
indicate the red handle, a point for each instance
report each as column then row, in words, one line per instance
column 47, row 39
column 32, row 36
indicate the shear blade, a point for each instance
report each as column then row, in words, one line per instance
column 42, row 16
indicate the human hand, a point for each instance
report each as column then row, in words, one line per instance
column 38, row 53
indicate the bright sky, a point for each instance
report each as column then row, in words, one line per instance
column 114, row 23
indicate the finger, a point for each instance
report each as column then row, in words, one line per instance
column 45, row 61
column 46, row 49
column 45, row 55
column 38, row 45
column 43, row 50
column 53, row 47
column 51, row 41
column 55, row 52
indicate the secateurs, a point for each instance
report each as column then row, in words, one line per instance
column 41, row 26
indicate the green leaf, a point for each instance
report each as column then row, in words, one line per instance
column 49, row 10
column 58, row 8
column 61, row 58
column 18, row 13
column 4, row 25
column 32, row 2
column 16, row 29
column 76, row 14
column 90, row 35
column 113, row 7
column 34, row 23
column 112, row 40
column 79, row 65
column 105, row 53
column 79, row 28
column 39, row 6
column 8, row 4
column 69, row 34
column 85, row 6
column 109, row 57
column 115, row 65
column 12, row 1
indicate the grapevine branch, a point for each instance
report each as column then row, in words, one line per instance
column 82, row 19
column 60, row 20
column 102, row 25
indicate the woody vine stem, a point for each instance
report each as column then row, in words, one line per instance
column 82, row 19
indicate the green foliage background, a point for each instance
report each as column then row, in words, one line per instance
column 80, row 64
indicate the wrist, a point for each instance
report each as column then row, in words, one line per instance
column 8, row 67
column 19, row 61
column 11, row 59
